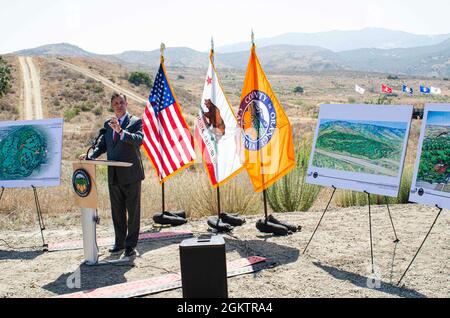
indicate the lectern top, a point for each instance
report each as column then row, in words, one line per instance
column 104, row 163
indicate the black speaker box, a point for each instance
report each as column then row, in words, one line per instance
column 204, row 267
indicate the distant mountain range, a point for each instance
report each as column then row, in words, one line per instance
column 338, row 41
column 429, row 57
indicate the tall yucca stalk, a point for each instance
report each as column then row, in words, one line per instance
column 292, row 193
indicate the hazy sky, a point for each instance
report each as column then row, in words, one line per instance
column 113, row 26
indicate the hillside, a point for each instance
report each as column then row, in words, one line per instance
column 428, row 61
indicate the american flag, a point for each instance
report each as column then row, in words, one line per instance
column 167, row 139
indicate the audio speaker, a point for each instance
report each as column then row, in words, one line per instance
column 204, row 267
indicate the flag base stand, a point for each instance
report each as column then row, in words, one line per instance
column 224, row 222
column 172, row 218
column 270, row 225
column 421, row 245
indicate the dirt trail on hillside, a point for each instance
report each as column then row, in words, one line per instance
column 103, row 80
column 32, row 101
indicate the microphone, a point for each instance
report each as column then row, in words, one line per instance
column 95, row 141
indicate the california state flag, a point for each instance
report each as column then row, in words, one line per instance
column 268, row 142
column 217, row 132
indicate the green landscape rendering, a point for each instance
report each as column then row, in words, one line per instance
column 23, row 150
column 372, row 147
column 434, row 166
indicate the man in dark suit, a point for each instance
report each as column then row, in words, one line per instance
column 121, row 142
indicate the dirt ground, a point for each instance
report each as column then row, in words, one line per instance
column 337, row 263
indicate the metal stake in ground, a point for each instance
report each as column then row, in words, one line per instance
column 431, row 228
column 325, row 211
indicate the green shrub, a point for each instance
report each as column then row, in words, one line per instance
column 85, row 107
column 71, row 113
column 298, row 90
column 292, row 193
column 98, row 111
column 139, row 78
column 5, row 77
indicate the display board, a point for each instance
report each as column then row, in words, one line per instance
column 360, row 147
column 430, row 184
column 30, row 153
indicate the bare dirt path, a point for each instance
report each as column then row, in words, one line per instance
column 31, row 90
column 103, row 80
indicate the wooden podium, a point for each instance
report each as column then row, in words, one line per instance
column 85, row 189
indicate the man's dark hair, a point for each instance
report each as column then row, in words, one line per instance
column 116, row 94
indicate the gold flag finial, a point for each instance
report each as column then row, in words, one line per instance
column 162, row 49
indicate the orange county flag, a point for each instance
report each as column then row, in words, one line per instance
column 269, row 148
column 217, row 132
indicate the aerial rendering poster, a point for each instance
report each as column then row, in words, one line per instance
column 360, row 147
column 431, row 178
column 30, row 153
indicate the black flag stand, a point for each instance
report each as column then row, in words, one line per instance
column 320, row 221
column 417, row 253
column 40, row 218
column 218, row 209
column 265, row 205
column 163, row 203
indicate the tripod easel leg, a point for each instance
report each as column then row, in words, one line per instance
column 1, row 194
column 40, row 218
column 423, row 242
column 320, row 221
column 392, row 222
column 370, row 232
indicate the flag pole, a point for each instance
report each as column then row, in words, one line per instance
column 163, row 203
column 266, row 216
column 218, row 187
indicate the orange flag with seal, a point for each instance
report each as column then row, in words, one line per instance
column 267, row 133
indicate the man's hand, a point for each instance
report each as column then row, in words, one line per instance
column 114, row 124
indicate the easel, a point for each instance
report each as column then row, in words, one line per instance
column 423, row 242
column 39, row 215
column 370, row 225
